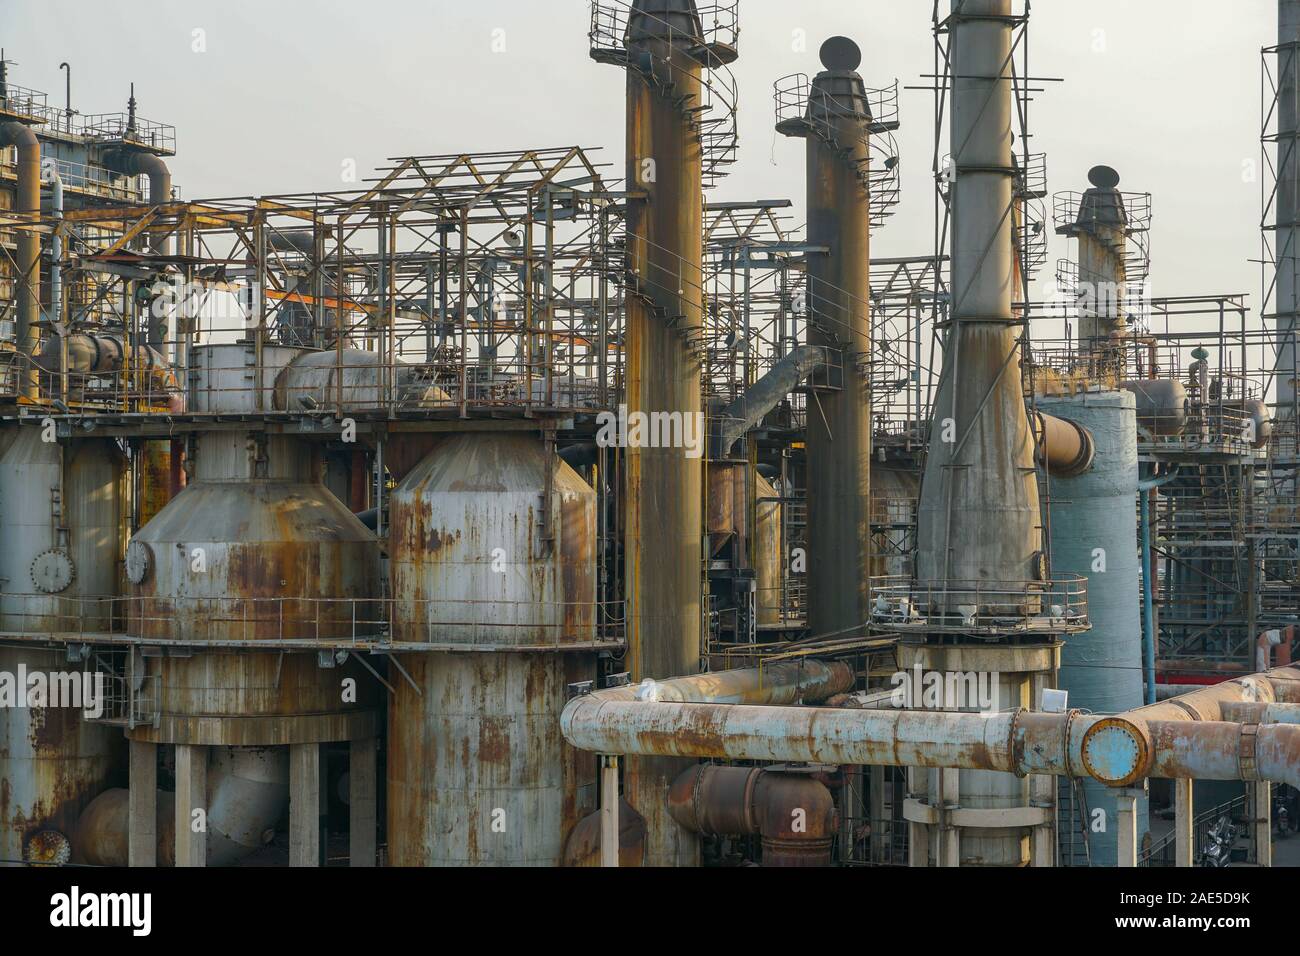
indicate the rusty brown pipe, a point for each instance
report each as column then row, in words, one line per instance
column 1219, row 750
column 792, row 812
column 1066, row 448
column 28, row 261
column 1206, row 703
column 774, row 684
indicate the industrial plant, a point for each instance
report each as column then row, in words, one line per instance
column 543, row 508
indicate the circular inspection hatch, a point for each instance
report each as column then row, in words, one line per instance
column 52, row 571
column 139, row 559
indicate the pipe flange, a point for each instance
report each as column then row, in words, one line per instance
column 53, row 571
column 1247, row 764
column 1016, row 746
column 1115, row 752
column 139, row 559
column 47, row 848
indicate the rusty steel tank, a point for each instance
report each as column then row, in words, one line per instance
column 484, row 559
column 60, row 507
column 255, row 548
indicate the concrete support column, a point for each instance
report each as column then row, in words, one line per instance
column 876, row 813
column 304, row 804
column 363, row 819
column 1126, row 807
column 949, row 835
column 1263, row 793
column 1042, row 787
column 609, row 811
column 918, row 834
column 1184, row 818
column 191, row 796
column 142, row 805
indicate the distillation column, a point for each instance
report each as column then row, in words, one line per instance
column 979, row 519
column 665, row 245
column 836, row 124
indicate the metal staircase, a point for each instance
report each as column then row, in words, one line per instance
column 711, row 114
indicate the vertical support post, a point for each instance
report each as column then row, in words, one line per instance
column 191, row 795
column 304, row 804
column 142, row 805
column 918, row 834
column 1042, row 787
column 609, row 810
column 362, row 798
column 1126, row 808
column 1184, row 819
column 1263, row 794
column 949, row 835
column 876, row 814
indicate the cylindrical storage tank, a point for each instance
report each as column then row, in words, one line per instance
column 482, row 557
column 52, row 761
column 1094, row 536
column 1161, row 405
column 255, row 548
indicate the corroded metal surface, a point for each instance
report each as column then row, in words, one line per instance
column 665, row 249
column 52, row 763
column 478, row 772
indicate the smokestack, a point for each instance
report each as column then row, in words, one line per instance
column 663, row 552
column 1101, row 228
column 836, row 124
column 1285, row 205
column 979, row 518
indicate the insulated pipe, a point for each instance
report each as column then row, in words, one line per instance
column 1256, row 712
column 1066, row 448
column 792, row 811
column 1206, row 703
column 1218, row 750
column 27, row 202
column 133, row 163
column 774, row 684
column 765, row 394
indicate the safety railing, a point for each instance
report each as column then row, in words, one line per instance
column 803, row 109
column 988, row 608
column 305, row 622
column 115, row 127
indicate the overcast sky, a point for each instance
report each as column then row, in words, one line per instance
column 284, row 91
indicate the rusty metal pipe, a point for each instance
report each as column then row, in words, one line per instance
column 793, row 812
column 1066, row 448
column 27, row 201
column 1256, row 712
column 1219, row 750
column 774, row 684
column 1206, row 703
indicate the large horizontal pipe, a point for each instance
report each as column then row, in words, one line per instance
column 1219, row 750
column 1206, row 703
column 774, row 684
column 1253, row 712
column 1066, row 448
